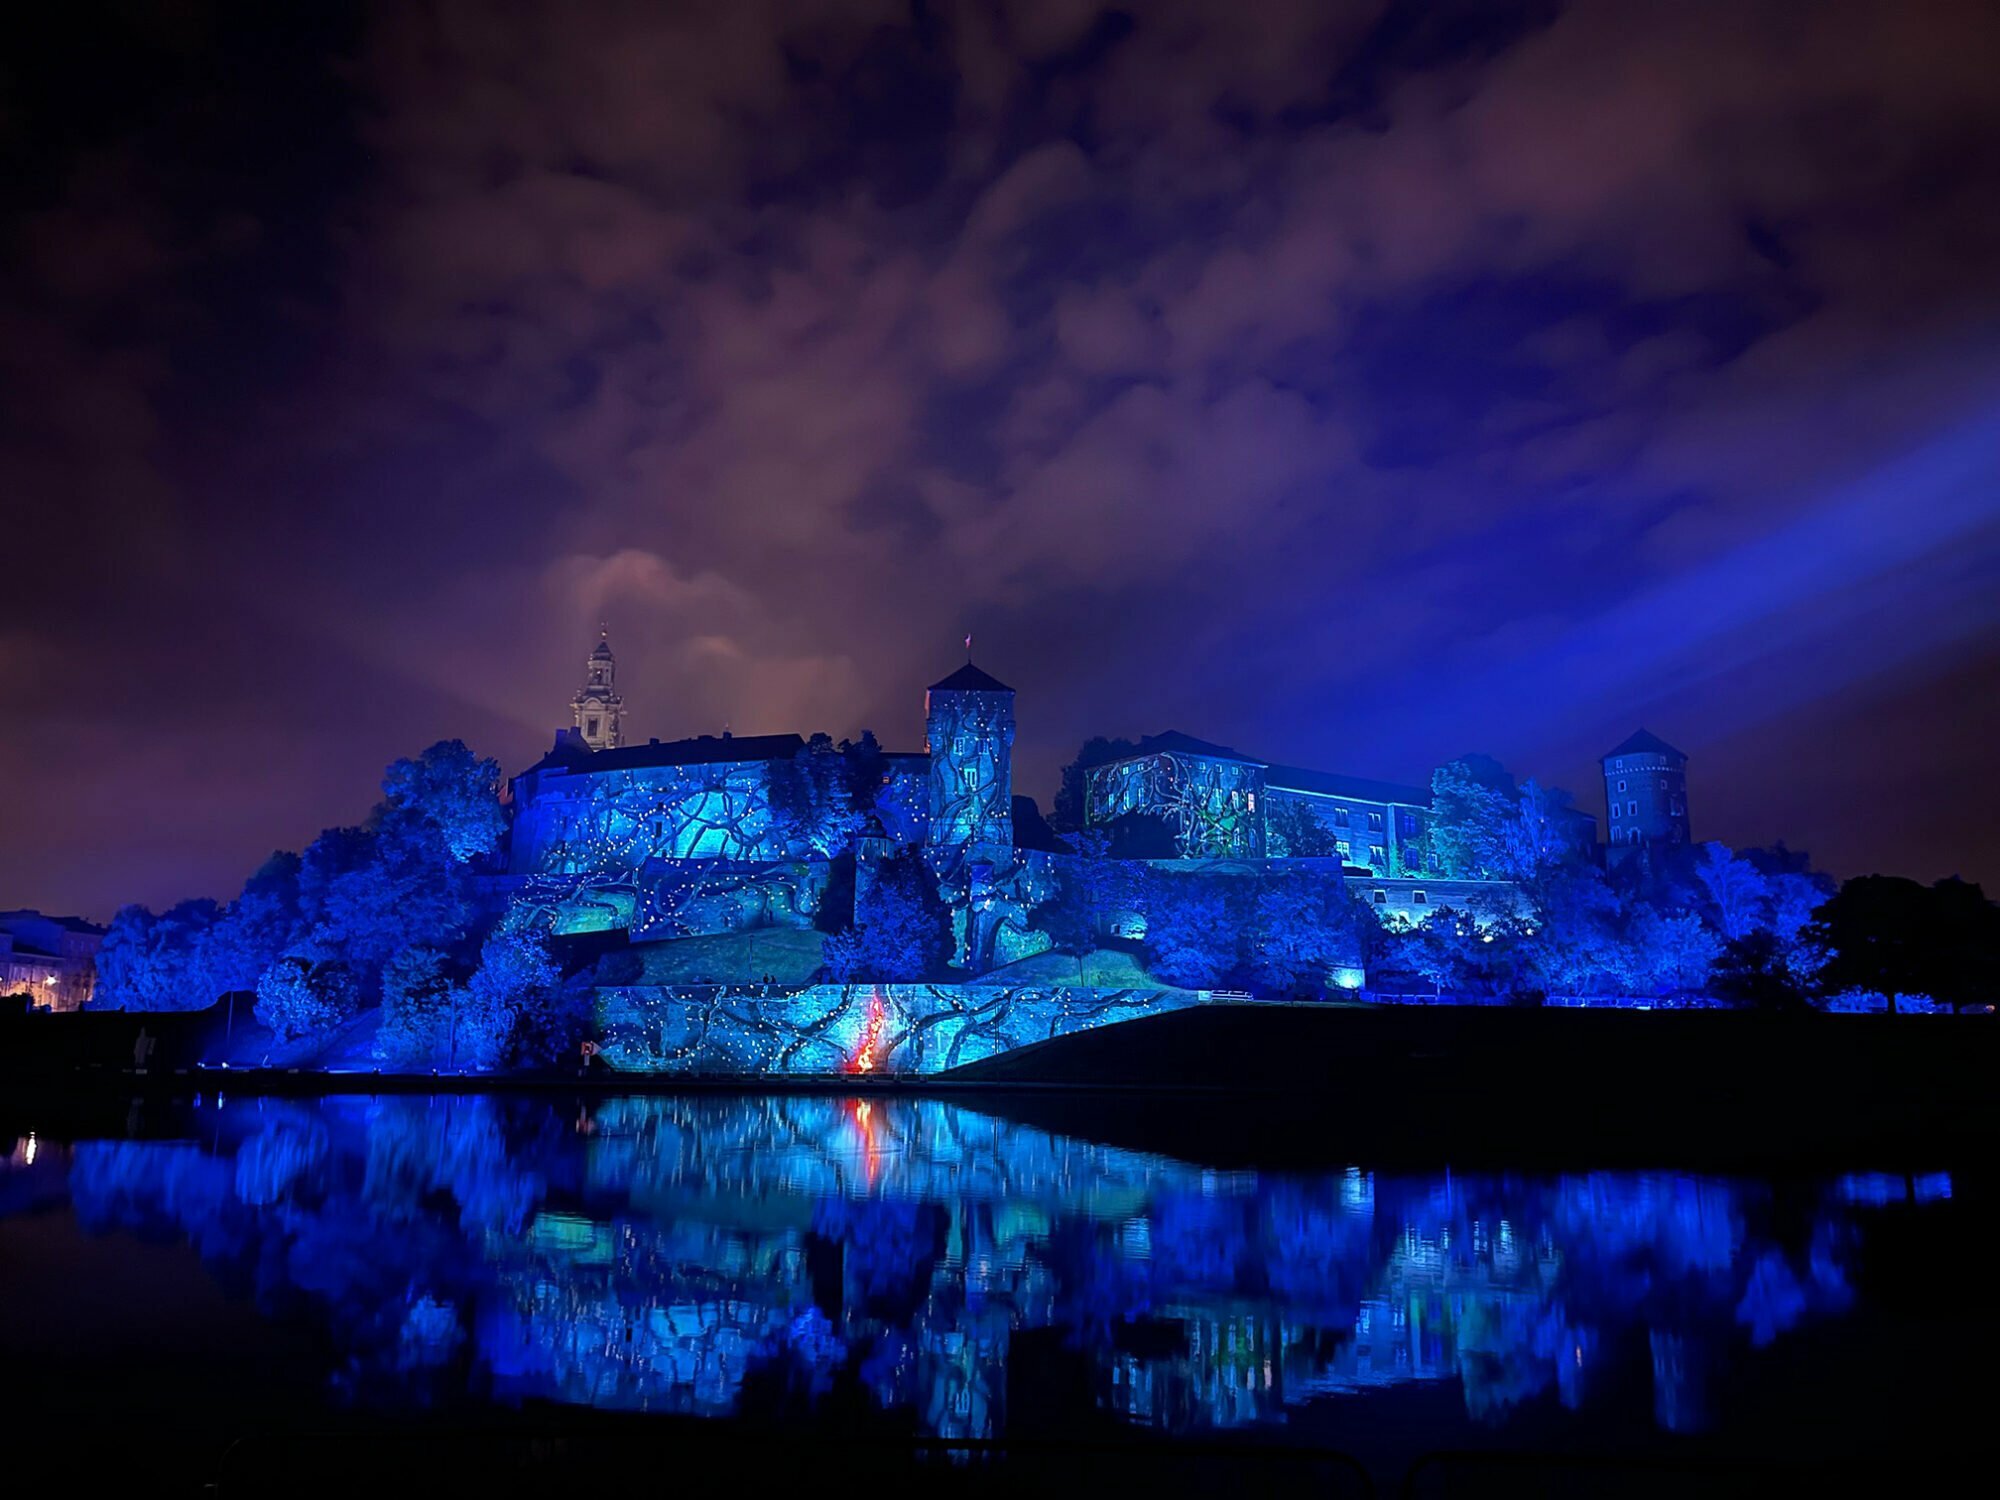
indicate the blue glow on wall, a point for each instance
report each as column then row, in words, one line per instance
column 854, row 1028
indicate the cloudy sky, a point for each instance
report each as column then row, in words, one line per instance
column 1359, row 387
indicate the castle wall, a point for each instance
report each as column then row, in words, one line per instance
column 727, row 1030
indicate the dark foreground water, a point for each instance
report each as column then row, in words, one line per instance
column 926, row 1269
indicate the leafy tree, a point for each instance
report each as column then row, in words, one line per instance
column 149, row 962
column 1092, row 888
column 1737, row 897
column 1301, row 927
column 304, row 994
column 1291, row 831
column 1668, row 953
column 867, row 769
column 516, row 1007
column 1892, row 936
column 1542, row 832
column 1191, row 934
column 898, row 934
column 419, row 1002
column 812, row 809
column 1475, row 819
column 258, row 926
column 124, row 974
column 1753, row 972
column 456, row 792
column 1572, row 943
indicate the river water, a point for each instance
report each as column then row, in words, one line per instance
column 962, row 1277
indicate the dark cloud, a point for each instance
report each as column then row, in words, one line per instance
column 1372, row 383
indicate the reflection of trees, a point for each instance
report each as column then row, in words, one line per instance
column 694, row 1253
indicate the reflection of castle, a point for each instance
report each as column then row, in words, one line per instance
column 677, row 1254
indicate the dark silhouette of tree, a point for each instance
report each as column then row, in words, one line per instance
column 1892, row 936
column 1754, row 972
column 1069, row 810
column 1291, row 831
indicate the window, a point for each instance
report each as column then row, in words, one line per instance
column 1341, row 848
column 1631, row 809
column 590, row 726
column 1253, row 800
column 1374, row 820
column 1621, row 786
column 1417, row 899
column 1381, row 898
column 1340, row 817
column 1376, row 856
column 970, row 776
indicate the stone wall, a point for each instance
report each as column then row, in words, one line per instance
column 755, row 1030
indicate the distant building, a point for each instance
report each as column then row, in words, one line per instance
column 597, row 710
column 53, row 960
column 1645, row 796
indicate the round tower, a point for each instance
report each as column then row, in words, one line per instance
column 1645, row 793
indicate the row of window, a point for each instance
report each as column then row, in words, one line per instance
column 1417, row 898
column 1663, row 784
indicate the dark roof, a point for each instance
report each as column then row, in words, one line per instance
column 704, row 750
column 969, row 679
column 68, row 924
column 1645, row 742
column 1172, row 740
column 1332, row 784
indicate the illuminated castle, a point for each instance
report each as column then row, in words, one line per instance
column 596, row 804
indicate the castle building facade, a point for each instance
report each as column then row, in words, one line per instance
column 1218, row 803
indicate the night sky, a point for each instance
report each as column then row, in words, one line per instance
column 1358, row 387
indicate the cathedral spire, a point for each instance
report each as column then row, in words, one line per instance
column 598, row 713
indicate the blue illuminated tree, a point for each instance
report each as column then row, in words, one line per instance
column 1475, row 825
column 1191, row 933
column 515, row 1007
column 898, row 934
column 418, row 1004
column 149, row 962
column 306, row 994
column 454, row 791
column 1301, row 927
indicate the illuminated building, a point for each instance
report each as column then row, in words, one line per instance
column 597, row 710
column 52, row 960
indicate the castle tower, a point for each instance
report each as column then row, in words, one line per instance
column 598, row 712
column 1645, row 792
column 969, row 731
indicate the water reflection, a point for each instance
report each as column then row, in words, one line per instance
column 715, row 1256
